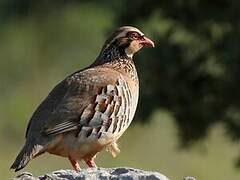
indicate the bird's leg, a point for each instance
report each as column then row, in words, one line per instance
column 74, row 163
column 91, row 163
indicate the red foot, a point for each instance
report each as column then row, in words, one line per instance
column 91, row 163
column 74, row 163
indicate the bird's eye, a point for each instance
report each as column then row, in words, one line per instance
column 134, row 35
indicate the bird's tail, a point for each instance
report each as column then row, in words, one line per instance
column 27, row 153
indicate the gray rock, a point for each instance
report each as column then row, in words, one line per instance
column 121, row 173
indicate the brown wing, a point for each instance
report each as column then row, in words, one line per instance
column 46, row 108
column 97, row 101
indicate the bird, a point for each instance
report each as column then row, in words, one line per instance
column 90, row 109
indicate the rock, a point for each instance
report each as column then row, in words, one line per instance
column 122, row 173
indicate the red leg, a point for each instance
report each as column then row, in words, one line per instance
column 91, row 163
column 74, row 163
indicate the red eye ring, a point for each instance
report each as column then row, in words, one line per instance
column 134, row 35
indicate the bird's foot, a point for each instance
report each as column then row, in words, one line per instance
column 91, row 163
column 74, row 163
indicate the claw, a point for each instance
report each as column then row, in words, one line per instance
column 74, row 163
column 91, row 163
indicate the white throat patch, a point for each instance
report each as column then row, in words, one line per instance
column 133, row 48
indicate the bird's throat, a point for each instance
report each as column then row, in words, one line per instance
column 117, row 59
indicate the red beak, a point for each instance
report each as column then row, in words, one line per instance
column 146, row 42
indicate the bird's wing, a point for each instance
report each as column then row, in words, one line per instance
column 95, row 100
column 46, row 108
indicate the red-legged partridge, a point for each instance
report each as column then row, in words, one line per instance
column 91, row 108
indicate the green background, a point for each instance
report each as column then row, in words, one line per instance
column 38, row 51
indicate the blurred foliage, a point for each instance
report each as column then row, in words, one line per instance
column 192, row 72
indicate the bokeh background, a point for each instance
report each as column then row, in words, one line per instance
column 188, row 119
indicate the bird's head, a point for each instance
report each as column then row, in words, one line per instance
column 125, row 42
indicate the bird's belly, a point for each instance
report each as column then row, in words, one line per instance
column 80, row 147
